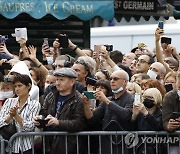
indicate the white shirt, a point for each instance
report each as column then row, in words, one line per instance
column 30, row 109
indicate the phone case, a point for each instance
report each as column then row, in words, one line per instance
column 21, row 33
column 89, row 94
column 137, row 99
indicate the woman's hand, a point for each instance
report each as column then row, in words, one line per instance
column 136, row 110
column 13, row 111
column 101, row 97
column 143, row 109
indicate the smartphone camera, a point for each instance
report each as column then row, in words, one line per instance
column 109, row 48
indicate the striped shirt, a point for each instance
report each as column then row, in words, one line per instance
column 30, row 109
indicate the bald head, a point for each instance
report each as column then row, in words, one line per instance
column 122, row 74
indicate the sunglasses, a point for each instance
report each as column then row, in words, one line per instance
column 116, row 78
column 82, row 62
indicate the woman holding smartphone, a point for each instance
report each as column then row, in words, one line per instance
column 147, row 116
column 21, row 111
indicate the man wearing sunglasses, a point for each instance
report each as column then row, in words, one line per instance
column 114, row 113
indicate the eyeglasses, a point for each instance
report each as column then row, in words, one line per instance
column 116, row 78
column 142, row 61
column 82, row 62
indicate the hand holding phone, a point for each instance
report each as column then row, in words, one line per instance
column 89, row 94
column 42, row 122
column 137, row 99
column 20, row 33
column 175, row 115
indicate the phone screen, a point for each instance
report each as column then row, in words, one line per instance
column 137, row 99
column 166, row 40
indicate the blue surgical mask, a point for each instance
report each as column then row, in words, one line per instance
column 117, row 90
column 49, row 60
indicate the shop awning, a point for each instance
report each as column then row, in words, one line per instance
column 61, row 9
column 142, row 8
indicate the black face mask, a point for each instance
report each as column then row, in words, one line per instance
column 148, row 103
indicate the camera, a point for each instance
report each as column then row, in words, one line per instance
column 109, row 47
column 63, row 40
column 3, row 39
column 166, row 40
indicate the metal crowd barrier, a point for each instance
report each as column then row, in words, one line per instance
column 128, row 140
column 2, row 145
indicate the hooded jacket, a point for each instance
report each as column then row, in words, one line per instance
column 21, row 68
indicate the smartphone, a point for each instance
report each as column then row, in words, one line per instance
column 161, row 24
column 46, row 41
column 90, row 81
column 21, row 33
column 42, row 122
column 89, row 94
column 166, row 40
column 109, row 48
column 97, row 49
column 64, row 41
column 137, row 99
column 168, row 87
column 175, row 115
column 3, row 39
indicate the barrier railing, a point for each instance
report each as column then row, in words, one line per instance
column 2, row 145
column 118, row 141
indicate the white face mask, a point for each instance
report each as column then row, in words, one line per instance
column 152, row 74
column 49, row 60
column 46, row 85
column 2, row 96
column 178, row 92
column 117, row 90
column 8, row 94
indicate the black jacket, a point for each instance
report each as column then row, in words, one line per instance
column 71, row 119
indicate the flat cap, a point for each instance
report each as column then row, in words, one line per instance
column 69, row 72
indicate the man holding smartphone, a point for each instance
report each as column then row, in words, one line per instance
column 63, row 108
column 114, row 113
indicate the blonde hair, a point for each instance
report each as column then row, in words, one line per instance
column 155, row 93
column 135, row 86
column 172, row 74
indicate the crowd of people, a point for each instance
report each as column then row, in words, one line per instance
column 55, row 94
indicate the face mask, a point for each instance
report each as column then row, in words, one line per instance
column 148, row 103
column 49, row 60
column 152, row 74
column 178, row 92
column 46, row 85
column 2, row 96
column 8, row 94
column 117, row 90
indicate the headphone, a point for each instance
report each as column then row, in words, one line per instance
column 68, row 62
